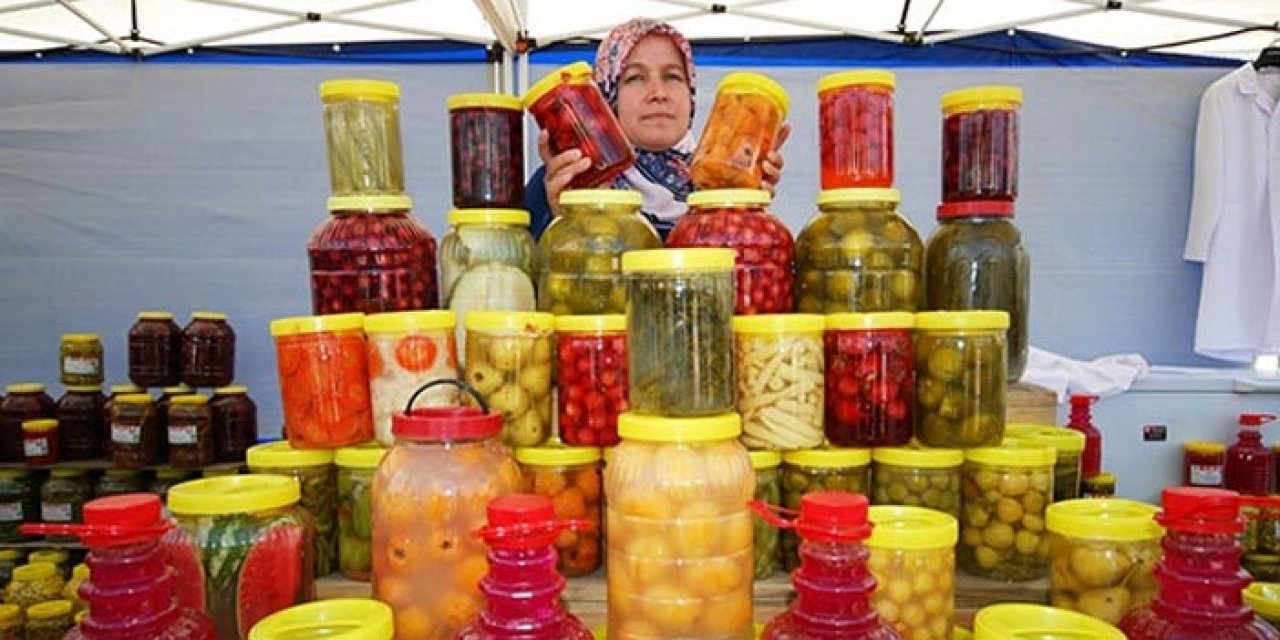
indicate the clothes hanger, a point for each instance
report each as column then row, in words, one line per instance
column 1269, row 57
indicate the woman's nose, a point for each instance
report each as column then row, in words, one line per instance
column 657, row 91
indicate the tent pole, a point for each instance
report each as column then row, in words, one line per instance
column 178, row 46
column 93, row 23
column 1194, row 17
column 70, row 42
column 1012, row 24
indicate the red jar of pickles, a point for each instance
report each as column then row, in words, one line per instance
column 40, row 441
column 570, row 477
column 569, row 106
column 486, row 136
column 24, row 401
column 208, row 350
column 591, row 378
column 324, row 383
column 870, row 379
column 740, row 132
column 980, row 143
column 855, row 129
column 155, row 350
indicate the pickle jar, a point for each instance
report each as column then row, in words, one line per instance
column 855, row 129
column 917, row 477
column 680, row 331
column 976, row 260
column 580, row 252
column 162, row 404
column 362, row 137
column 40, row 441
column 591, row 378
column 19, row 503
column 324, row 380
column 912, row 557
column 809, row 470
column 1010, row 621
column 1004, row 493
column 778, row 367
column 117, row 390
column 32, row 584
column 190, row 432
column 80, row 357
column 1069, row 445
column 859, row 254
column 1102, row 556
column 486, row 150
column 208, row 350
column 59, row 558
column 740, row 132
column 336, row 618
column 11, row 622
column 407, row 350
column 871, row 382
column 81, row 414
column 71, row 592
column 135, row 432
column 49, row 620
column 679, row 529
column 23, row 401
column 371, row 255
column 568, row 105
column 235, row 422
column 487, row 263
column 167, row 478
column 317, row 478
column 1203, row 463
column 62, row 497
column 764, row 252
column 769, row 491
column 509, row 363
column 570, row 477
column 114, row 482
column 960, row 378
column 155, row 350
column 1101, row 485
column 356, row 467
column 980, row 143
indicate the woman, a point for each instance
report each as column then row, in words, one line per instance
column 645, row 70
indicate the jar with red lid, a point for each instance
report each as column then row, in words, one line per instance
column 372, row 255
column 871, row 381
column 569, row 106
column 324, row 380
column 81, row 422
column 591, row 378
column 208, row 350
column 855, row 129
column 980, row 143
column 486, row 147
column 763, row 249
column 40, row 441
column 740, row 132
column 1203, row 463
column 235, row 422
column 25, row 401
column 155, row 350
column 362, row 136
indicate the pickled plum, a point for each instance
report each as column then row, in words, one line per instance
column 870, row 388
column 855, row 126
column 569, row 106
column 980, row 144
column 763, row 253
column 487, row 151
column 372, row 262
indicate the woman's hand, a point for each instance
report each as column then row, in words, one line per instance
column 561, row 169
column 771, row 169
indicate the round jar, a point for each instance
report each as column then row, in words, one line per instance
column 871, row 381
column 208, row 350
column 81, row 414
column 769, row 491
column 11, row 622
column 509, row 362
column 114, row 482
column 337, row 618
column 32, row 584
column 49, row 620
column 324, row 380
column 486, row 150
column 62, row 498
column 1102, row 556
column 570, row 477
column 591, row 379
column 80, row 358
column 980, row 143
column 680, row 331
column 568, row 105
column 356, row 467
column 1203, row 463
column 155, row 350
column 19, row 503
column 136, row 432
column 855, row 129
column 812, row 470
column 407, row 350
column 487, row 263
column 960, row 378
column 1011, row 621
column 912, row 556
column 190, row 432
column 1004, row 493
column 59, row 558
column 23, row 401
column 40, row 441
column 1069, row 445
column 779, row 371
column 315, row 473
column 362, row 137
column 235, row 422
column 740, row 132
column 917, row 477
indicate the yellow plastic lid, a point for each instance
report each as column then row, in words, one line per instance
column 922, row 457
column 650, row 428
column 372, row 204
column 10, row 554
column 830, row 197
column 68, row 473
column 677, row 260
column 765, row 459
column 832, row 458
column 52, row 556
column 155, row 315
column 870, row 321
column 365, row 456
column 463, row 217
column 1014, row 453
column 587, row 197
column 1010, row 620
column 125, row 389
column 13, row 474
column 209, row 315
column 317, row 324
column 24, row 387
column 84, row 388
column 986, row 97
column 230, row 390
column 557, row 456
column 280, row 454
column 861, row 76
column 336, row 619
column 40, row 425
column 1112, row 519
column 911, row 528
column 49, row 609
column 962, row 320
column 575, row 73
column 359, row 88
column 751, row 82
column 176, row 390
column 402, row 321
column 80, row 337
column 780, row 323
column 1060, row 438
column 122, row 473
column 1263, row 598
column 32, row 571
column 224, row 495
column 961, row 633
column 728, row 197
column 484, row 100
column 510, row 321
column 592, row 324
column 191, row 398
column 10, row 614
column 1207, row 447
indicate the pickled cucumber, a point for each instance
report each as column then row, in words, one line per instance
column 863, row 258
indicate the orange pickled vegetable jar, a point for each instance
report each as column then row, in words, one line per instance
column 740, row 132
column 324, row 380
column 570, row 476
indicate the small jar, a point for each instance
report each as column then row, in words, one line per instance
column 155, row 350
column 49, row 620
column 11, row 623
column 778, row 365
column 871, row 379
column 509, row 363
column 486, row 149
column 680, row 331
column 116, row 390
column 769, row 491
column 23, row 401
column 917, row 477
column 19, row 503
column 819, row 470
column 570, row 477
column 1069, row 445
column 740, row 132
column 136, row 432
column 591, row 379
column 317, row 478
column 406, row 351
column 161, row 407
column 1203, row 463
column 362, row 136
column 568, row 105
column 1102, row 485
column 1102, row 556
column 235, row 422
column 960, row 378
column 32, row 584
column 114, row 482
column 356, row 468
column 40, row 442
column 1005, row 491
column 62, row 498
column 59, row 558
column 167, row 478
column 71, row 592
column 208, row 350
column 81, row 359
column 81, row 414
column 324, row 380
column 190, row 432
column 912, row 557
column 980, row 143
column 855, row 129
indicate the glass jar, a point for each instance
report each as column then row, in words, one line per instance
column 568, row 105
column 740, row 132
column 917, row 477
column 779, row 371
column 1004, row 493
column 362, row 137
column 1069, row 446
column 114, row 482
column 1203, row 463
column 764, row 253
column 591, row 379
column 248, row 526
column 324, row 380
column 960, row 378
column 161, row 407
column 32, row 584
column 680, row 531
column 859, row 253
column 40, row 441
column 579, row 254
column 913, row 559
column 167, row 478
column 855, row 129
column 59, row 558
column 980, row 143
column 208, row 350
column 371, row 255
column 71, row 592
column 1102, row 485
column 1010, row 621
column 359, row 618
column 977, row 261
column 871, row 380
column 356, row 468
column 235, row 422
column 316, row 475
column 117, row 390
column 407, row 350
column 680, row 331
column 570, row 477
column 1102, row 556
column 509, row 362
column 11, row 623
column 190, row 432
column 136, row 432
column 62, row 497
column 768, row 491
column 49, row 620
column 819, row 470
column 486, row 150
column 80, row 357
column 487, row 263
column 10, row 559
column 155, row 350
column 23, row 401
column 19, row 503
column 81, row 422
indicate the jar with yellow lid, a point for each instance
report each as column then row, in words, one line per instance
column 509, row 361
column 486, row 150
column 316, row 476
column 917, row 477
column 9, row 560
column 362, row 136
column 855, row 129
column 960, row 378
column 167, row 478
column 22, row 401
column 33, row 583
column 1004, row 493
column 871, row 374
column 591, row 378
column 1069, row 445
column 80, row 359
column 1203, row 463
column 912, row 557
column 487, row 263
column 1102, row 485
column 825, row 469
column 324, row 380
column 568, row 105
column 768, row 491
column 356, row 468
column 1264, row 599
column 208, row 350
column 19, row 503
column 235, row 422
column 408, row 349
column 62, row 497
column 71, row 592
column 338, row 618
column 136, row 431
column 1011, row 621
column 980, row 143
column 740, row 132
column 59, row 558
column 190, row 432
column 40, row 441
column 1102, row 555
column 778, row 362
column 11, row 622
column 49, row 620
column 570, row 477
column 680, row 531
column 155, row 350
column 81, row 414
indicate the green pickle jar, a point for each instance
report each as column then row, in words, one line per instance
column 49, row 620
column 19, row 503
column 1102, row 485
column 81, row 359
column 315, row 473
column 917, row 477
column 10, row 622
column 768, row 491
column 960, row 378
column 1068, row 443
column 1005, row 491
column 356, row 466
column 811, row 470
column 32, row 584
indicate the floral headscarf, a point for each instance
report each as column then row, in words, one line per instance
column 616, row 47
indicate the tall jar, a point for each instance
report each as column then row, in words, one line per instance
column 680, row 532
column 764, row 252
column 570, row 477
column 740, row 132
column 486, row 150
column 980, row 143
column 568, row 105
column 80, row 358
column 362, row 136
column 324, row 380
column 509, row 363
column 855, row 129
column 487, row 264
column 23, row 401
column 208, row 350
column 155, row 350
column 407, row 350
column 579, row 254
column 871, row 380
column 859, row 253
column 235, row 422
column 356, row 468
column 811, row 470
column 1069, row 446
column 769, row 492
column 960, row 378
column 913, row 559
column 190, row 432
column 371, row 255
column 917, row 477
column 62, row 497
column 779, row 371
column 1004, row 493
column 19, row 503
column 1102, row 556
column 680, row 331
column 316, row 476
column 161, row 406
column 116, row 390
column 135, row 432
column 977, row 261
column 81, row 415
column 591, row 378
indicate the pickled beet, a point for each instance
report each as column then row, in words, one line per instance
column 855, row 128
column 592, row 380
column 487, row 152
column 372, row 261
column 870, row 387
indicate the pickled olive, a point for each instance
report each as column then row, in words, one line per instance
column 910, row 482
column 870, row 380
column 511, row 368
column 818, row 470
column 574, row 490
column 780, row 381
column 1102, row 557
column 1002, row 535
column 960, row 379
column 486, row 143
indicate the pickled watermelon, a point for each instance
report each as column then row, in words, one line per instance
column 271, row 576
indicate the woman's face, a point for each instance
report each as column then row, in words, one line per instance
column 654, row 104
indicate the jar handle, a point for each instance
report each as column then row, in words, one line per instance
column 461, row 384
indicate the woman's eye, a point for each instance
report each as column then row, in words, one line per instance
column 632, row 78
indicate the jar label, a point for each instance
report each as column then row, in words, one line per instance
column 35, row 447
column 11, row 512
column 1206, row 475
column 80, row 365
column 126, row 433
column 182, row 434
column 55, row 511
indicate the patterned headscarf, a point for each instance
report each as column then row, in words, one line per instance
column 616, row 47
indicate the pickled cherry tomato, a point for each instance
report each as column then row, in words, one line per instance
column 592, row 378
column 870, row 387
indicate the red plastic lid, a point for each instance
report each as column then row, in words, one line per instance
column 520, row 508
column 1255, row 419
column 525, row 521
column 976, row 208
column 446, row 423
column 1200, row 510
column 824, row 516
column 1082, row 399
column 113, row 521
